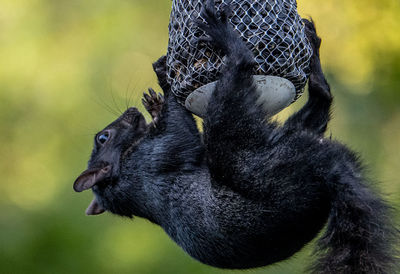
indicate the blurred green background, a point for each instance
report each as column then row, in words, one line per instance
column 66, row 66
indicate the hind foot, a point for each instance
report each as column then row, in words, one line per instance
column 222, row 35
column 318, row 86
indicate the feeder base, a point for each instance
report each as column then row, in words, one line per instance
column 275, row 94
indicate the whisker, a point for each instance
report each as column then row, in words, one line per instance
column 127, row 100
column 105, row 106
column 113, row 98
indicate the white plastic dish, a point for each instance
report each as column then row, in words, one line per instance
column 275, row 94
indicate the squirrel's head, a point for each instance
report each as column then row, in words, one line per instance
column 110, row 146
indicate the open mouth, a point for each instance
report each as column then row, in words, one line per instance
column 94, row 208
column 88, row 179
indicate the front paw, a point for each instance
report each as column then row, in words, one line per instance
column 160, row 68
column 153, row 103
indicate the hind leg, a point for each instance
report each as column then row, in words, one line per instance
column 234, row 124
column 315, row 114
column 232, row 111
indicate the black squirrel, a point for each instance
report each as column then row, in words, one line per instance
column 252, row 192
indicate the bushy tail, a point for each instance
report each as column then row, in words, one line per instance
column 360, row 236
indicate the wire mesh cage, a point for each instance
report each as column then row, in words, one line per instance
column 272, row 29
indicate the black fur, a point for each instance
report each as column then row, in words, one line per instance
column 253, row 193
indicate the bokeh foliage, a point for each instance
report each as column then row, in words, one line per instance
column 66, row 66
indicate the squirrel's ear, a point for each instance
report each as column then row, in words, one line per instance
column 135, row 119
column 90, row 177
column 140, row 123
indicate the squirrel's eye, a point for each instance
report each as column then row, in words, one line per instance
column 102, row 138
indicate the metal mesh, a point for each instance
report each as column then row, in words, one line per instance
column 272, row 29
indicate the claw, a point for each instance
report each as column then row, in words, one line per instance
column 153, row 103
column 147, row 97
column 145, row 104
column 208, row 11
column 160, row 64
column 161, row 97
column 210, row 5
column 311, row 34
column 226, row 11
column 200, row 24
column 153, row 94
column 160, row 68
column 202, row 39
